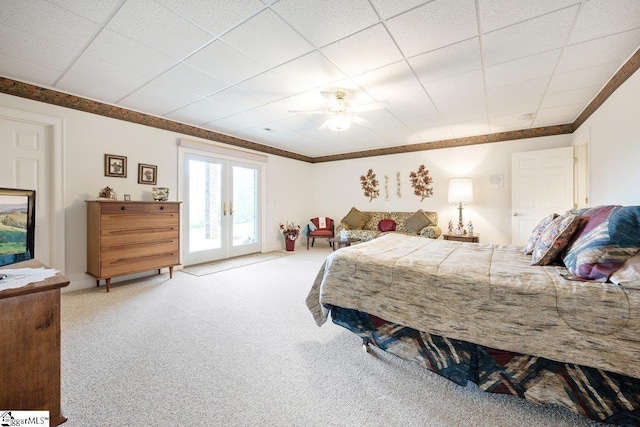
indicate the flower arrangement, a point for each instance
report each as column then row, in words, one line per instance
column 289, row 230
column 421, row 182
column 370, row 185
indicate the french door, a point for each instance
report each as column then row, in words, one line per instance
column 221, row 208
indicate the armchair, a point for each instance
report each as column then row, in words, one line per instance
column 313, row 229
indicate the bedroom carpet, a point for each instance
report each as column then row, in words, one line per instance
column 239, row 348
column 228, row 264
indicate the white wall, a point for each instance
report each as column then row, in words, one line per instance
column 338, row 187
column 87, row 137
column 614, row 147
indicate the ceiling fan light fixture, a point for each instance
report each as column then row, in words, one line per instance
column 339, row 122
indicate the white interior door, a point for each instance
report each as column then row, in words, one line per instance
column 542, row 183
column 25, row 164
column 222, row 208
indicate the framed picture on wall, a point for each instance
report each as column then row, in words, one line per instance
column 115, row 166
column 147, row 174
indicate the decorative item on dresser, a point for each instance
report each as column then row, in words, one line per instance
column 131, row 237
column 30, row 346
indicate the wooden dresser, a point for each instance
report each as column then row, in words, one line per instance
column 30, row 346
column 131, row 237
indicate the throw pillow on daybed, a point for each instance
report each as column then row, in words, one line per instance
column 609, row 238
column 535, row 234
column 554, row 239
column 417, row 222
column 387, row 225
column 355, row 219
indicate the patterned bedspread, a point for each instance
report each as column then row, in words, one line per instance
column 484, row 294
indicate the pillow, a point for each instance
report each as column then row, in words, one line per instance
column 609, row 238
column 629, row 272
column 355, row 219
column 535, row 234
column 387, row 225
column 554, row 239
column 417, row 222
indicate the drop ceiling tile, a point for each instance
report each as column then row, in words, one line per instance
column 225, row 126
column 311, row 71
column 520, row 90
column 323, row 22
column 341, row 52
column 522, row 70
column 192, row 80
column 270, row 86
column 216, row 18
column 387, row 8
column 49, row 22
column 468, row 110
column 395, row 83
column 557, row 115
column 224, row 62
column 158, row 98
column 496, row 14
column 600, row 18
column 270, row 113
column 432, row 133
column 465, row 85
column 448, row 61
column 379, row 117
column 517, row 106
column 614, row 48
column 236, row 99
column 156, row 26
column 26, row 47
column 96, row 10
column 434, row 25
column 584, row 77
column 310, row 101
column 575, row 96
column 105, row 73
column 508, row 123
column 91, row 89
column 132, row 55
column 538, row 35
column 297, row 123
column 364, row 135
column 202, row 111
column 475, row 127
column 425, row 111
column 27, row 71
column 268, row 39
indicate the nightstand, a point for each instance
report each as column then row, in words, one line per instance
column 470, row 238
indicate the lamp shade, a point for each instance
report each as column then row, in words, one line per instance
column 460, row 190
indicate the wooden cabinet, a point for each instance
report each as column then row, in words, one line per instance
column 471, row 238
column 30, row 346
column 131, row 237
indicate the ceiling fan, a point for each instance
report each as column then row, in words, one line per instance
column 341, row 112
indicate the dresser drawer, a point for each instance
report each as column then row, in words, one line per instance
column 120, row 208
column 138, row 222
column 115, row 238
column 122, row 267
column 137, row 251
column 160, row 207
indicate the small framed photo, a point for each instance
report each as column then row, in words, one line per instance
column 127, row 197
column 115, row 166
column 147, row 174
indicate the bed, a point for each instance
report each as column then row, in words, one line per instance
column 483, row 313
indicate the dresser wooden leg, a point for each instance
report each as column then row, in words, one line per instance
column 108, row 280
column 170, row 272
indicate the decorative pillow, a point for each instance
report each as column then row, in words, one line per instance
column 355, row 219
column 610, row 237
column 387, row 225
column 629, row 272
column 535, row 234
column 417, row 222
column 554, row 239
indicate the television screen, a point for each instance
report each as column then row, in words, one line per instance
column 17, row 225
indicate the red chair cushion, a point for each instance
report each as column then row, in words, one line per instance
column 321, row 233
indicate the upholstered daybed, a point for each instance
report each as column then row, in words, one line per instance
column 367, row 225
column 559, row 332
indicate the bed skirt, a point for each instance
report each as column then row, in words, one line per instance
column 593, row 393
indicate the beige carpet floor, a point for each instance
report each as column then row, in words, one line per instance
column 239, row 348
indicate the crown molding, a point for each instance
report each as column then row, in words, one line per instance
column 50, row 96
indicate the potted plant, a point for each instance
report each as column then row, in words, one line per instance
column 290, row 233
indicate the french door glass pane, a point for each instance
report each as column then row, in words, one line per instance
column 205, row 205
column 245, row 205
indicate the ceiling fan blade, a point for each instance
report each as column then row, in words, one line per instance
column 328, row 96
column 360, row 120
column 324, row 125
column 369, row 107
column 307, row 111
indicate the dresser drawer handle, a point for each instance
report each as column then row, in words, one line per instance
column 161, row 208
column 122, row 208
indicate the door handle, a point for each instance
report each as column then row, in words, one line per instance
column 230, row 208
column 517, row 213
column 224, row 209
